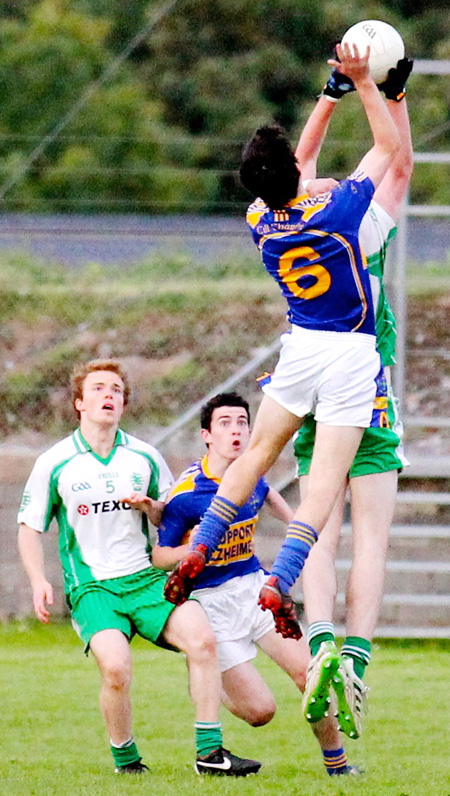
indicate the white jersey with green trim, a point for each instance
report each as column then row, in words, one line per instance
column 375, row 233
column 100, row 537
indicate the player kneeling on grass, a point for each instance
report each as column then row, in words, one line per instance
column 229, row 586
column 103, row 486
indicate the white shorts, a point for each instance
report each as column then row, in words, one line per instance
column 236, row 618
column 331, row 374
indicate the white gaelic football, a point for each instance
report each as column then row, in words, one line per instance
column 386, row 45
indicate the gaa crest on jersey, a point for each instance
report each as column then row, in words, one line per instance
column 137, row 481
column 26, row 499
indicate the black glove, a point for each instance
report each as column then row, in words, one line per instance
column 394, row 86
column 337, row 86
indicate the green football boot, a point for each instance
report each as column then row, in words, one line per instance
column 321, row 672
column 351, row 695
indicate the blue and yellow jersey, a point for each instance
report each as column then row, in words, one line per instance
column 186, row 505
column 311, row 249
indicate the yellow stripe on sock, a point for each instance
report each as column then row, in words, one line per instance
column 298, row 531
column 335, row 762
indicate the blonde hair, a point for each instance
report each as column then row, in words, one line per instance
column 82, row 369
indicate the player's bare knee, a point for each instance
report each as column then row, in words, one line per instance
column 116, row 675
column 258, row 716
column 202, row 646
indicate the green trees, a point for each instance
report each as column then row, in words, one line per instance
column 51, row 62
column 162, row 131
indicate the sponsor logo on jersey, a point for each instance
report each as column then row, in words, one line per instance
column 80, row 486
column 236, row 544
column 103, row 507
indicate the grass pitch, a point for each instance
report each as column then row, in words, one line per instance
column 54, row 742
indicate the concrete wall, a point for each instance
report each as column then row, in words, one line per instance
column 418, row 558
column 16, row 462
column 15, row 593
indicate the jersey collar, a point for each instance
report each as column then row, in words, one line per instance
column 206, row 471
column 300, row 198
column 83, row 447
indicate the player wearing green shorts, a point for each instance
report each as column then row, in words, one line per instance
column 373, row 474
column 103, row 486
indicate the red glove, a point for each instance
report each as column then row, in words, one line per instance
column 180, row 583
column 282, row 606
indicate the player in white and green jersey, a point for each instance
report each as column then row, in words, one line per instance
column 103, row 486
column 101, row 537
column 373, row 474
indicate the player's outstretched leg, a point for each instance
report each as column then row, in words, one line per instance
column 351, row 694
column 321, row 672
column 224, row 763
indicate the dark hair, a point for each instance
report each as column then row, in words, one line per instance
column 269, row 167
column 222, row 399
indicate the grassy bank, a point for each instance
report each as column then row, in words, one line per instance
column 181, row 326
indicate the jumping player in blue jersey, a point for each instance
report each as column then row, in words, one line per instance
column 328, row 363
column 229, row 586
column 103, row 485
column 373, row 475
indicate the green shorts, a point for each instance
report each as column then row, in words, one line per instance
column 380, row 450
column 132, row 604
